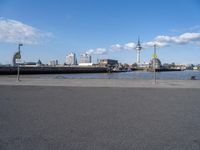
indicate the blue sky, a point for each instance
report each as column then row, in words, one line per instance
column 105, row 28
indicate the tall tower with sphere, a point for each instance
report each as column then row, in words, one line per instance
column 138, row 50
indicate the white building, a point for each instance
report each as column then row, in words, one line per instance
column 144, row 65
column 71, row 59
column 53, row 63
column 85, row 64
column 85, row 58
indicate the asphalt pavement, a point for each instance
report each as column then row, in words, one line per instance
column 99, row 118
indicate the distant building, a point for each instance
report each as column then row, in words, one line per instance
column 85, row 64
column 180, row 66
column 28, row 64
column 108, row 62
column 195, row 68
column 85, row 58
column 16, row 56
column 189, row 66
column 53, row 63
column 144, row 65
column 71, row 59
column 39, row 63
column 155, row 63
column 32, row 64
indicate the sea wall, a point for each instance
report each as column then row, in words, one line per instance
column 51, row 70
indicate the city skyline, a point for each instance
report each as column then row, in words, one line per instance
column 104, row 29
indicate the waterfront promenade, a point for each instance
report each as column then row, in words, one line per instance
column 38, row 80
column 99, row 114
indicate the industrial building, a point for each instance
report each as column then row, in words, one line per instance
column 108, row 62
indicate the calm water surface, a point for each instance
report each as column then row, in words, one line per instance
column 183, row 75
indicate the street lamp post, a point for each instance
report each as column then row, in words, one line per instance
column 18, row 72
column 18, row 57
column 154, row 64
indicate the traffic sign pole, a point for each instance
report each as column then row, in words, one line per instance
column 18, row 72
column 154, row 62
column 18, row 58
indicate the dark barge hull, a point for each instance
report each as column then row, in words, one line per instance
column 164, row 70
column 51, row 70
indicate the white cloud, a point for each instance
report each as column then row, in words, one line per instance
column 113, row 48
column 185, row 38
column 90, row 51
column 189, row 37
column 160, row 41
column 101, row 51
column 98, row 51
column 12, row 31
column 116, row 47
column 129, row 46
column 195, row 28
column 152, row 43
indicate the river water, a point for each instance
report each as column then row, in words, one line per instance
column 180, row 75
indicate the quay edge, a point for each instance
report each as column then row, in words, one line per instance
column 51, row 70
